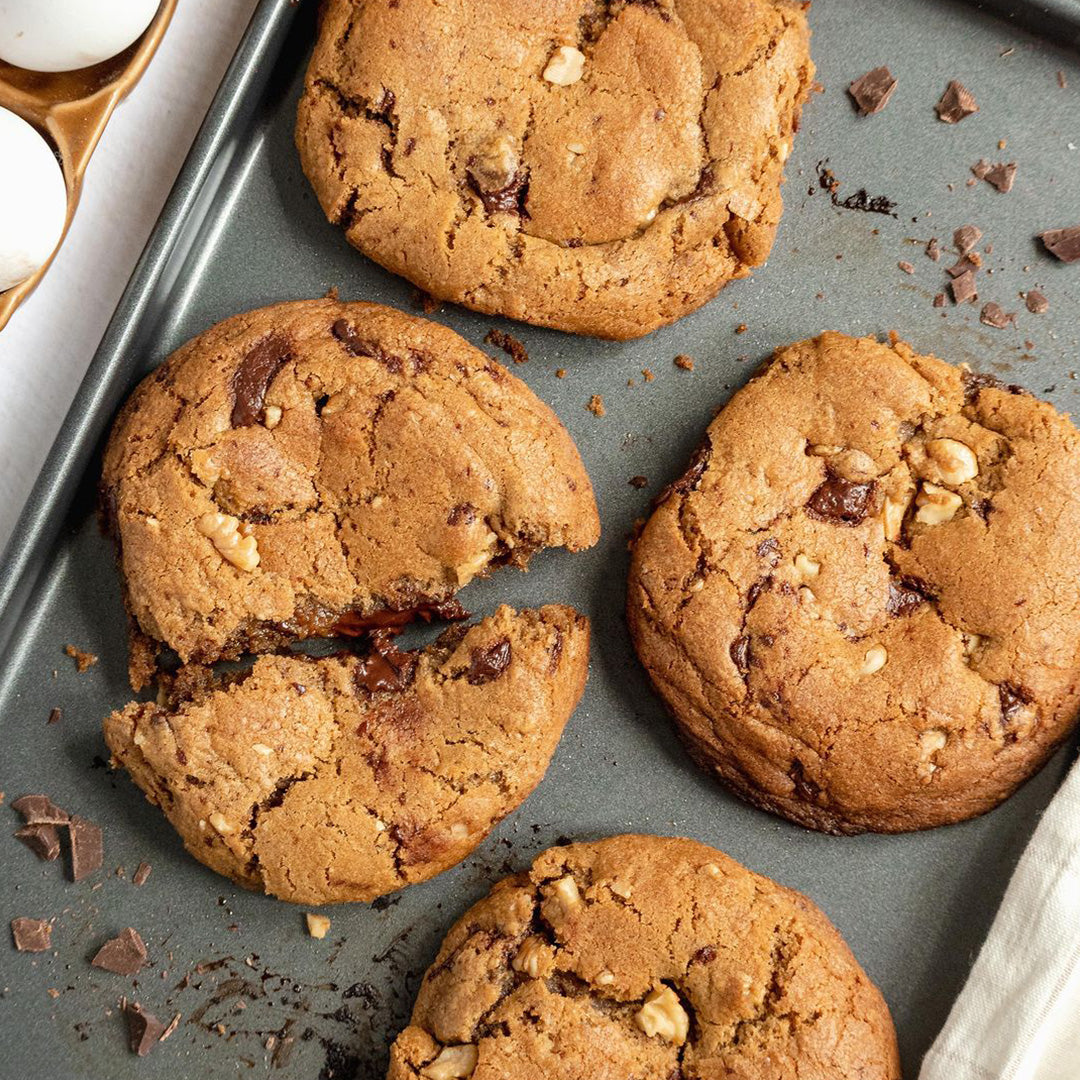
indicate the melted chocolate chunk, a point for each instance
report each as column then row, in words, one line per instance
column 356, row 345
column 42, row 840
column 124, row 954
column 509, row 199
column 805, row 788
column 689, row 479
column 1013, row 701
column 385, row 670
column 488, row 663
column 740, row 654
column 353, row 624
column 144, row 1029
column 905, row 596
column 843, row 502
column 253, row 377
column 976, row 381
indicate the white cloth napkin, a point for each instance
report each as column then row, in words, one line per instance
column 1018, row 1017
column 50, row 340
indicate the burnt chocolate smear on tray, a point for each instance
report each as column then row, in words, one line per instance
column 862, row 200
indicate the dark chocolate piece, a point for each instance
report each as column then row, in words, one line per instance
column 1036, row 303
column 356, row 345
column 1013, row 700
column 966, row 237
column 31, row 935
column 40, row 810
column 740, row 654
column 964, row 289
column 1001, row 176
column 353, row 624
column 994, row 315
column 841, row 501
column 488, row 663
column 42, row 840
column 253, row 377
column 141, row 874
column 905, row 595
column 1064, row 243
column 86, row 847
column 385, row 670
column 956, row 103
column 144, row 1029
column 972, row 261
column 508, row 199
column 124, row 954
column 873, row 90
column 980, row 169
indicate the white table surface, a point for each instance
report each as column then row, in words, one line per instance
column 50, row 340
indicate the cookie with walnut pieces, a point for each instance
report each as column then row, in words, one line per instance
column 861, row 601
column 644, row 957
column 344, row 778
column 319, row 468
column 599, row 166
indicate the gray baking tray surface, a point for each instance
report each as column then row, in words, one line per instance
column 256, row 995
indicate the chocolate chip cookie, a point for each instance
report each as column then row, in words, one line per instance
column 598, row 166
column 650, row 958
column 861, row 601
column 351, row 776
column 327, row 468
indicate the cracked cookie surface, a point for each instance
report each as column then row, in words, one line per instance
column 348, row 777
column 861, row 602
column 321, row 468
column 645, row 957
column 598, row 166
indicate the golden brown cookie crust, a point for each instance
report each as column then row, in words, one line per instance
column 308, row 467
column 349, row 777
column 861, row 602
column 593, row 165
column 646, row 957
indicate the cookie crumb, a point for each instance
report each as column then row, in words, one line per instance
column 560, row 373
column 639, row 482
column 426, row 302
column 509, row 345
column 83, row 660
column 318, row 926
column 647, row 375
column 683, row 361
column 933, row 249
column 1062, row 81
column 956, row 103
column 596, row 405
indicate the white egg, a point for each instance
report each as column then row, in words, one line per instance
column 33, row 200
column 62, row 35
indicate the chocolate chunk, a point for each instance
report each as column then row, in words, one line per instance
column 971, row 261
column 956, row 103
column 353, row 624
column 86, row 847
column 980, row 169
column 841, row 501
column 124, row 954
column 689, row 479
column 40, row 810
column 1000, row 176
column 1036, row 303
column 462, row 514
column 508, row 199
column 994, row 315
column 1013, row 701
column 805, row 788
column 509, row 345
column 385, row 670
column 141, row 874
column 905, row 596
column 488, row 663
column 144, row 1029
column 31, row 935
column 964, row 288
column 873, row 90
column 705, row 955
column 253, row 377
column 939, row 299
column 1064, row 243
column 740, row 654
column 966, row 237
column 42, row 840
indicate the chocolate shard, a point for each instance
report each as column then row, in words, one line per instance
column 873, row 90
column 354, row 624
column 42, row 840
column 488, row 663
column 964, row 289
column 981, row 168
column 86, row 847
column 141, row 874
column 841, row 501
column 994, row 315
column 31, row 935
column 966, row 237
column 971, row 261
column 40, row 810
column 252, row 379
column 124, row 954
column 956, row 103
column 144, row 1029
column 1036, row 303
column 933, row 249
column 1064, row 243
column 1001, row 176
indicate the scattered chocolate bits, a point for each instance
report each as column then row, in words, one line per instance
column 1064, row 243
column 683, row 361
column 907, row 267
column 872, row 91
column 31, row 935
column 83, row 660
column 86, row 847
column 596, row 405
column 638, row 482
column 1036, row 303
column 964, row 289
column 994, row 315
column 144, row 1029
column 956, row 103
column 509, row 345
column 966, row 237
column 42, row 840
column 741, row 328
column 141, row 874
column 124, row 954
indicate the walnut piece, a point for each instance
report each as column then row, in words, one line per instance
column 663, row 1015
column 453, row 1063
column 231, row 538
column 534, row 958
column 875, row 659
column 565, row 67
column 563, row 898
column 956, row 461
column 317, row 925
column 936, row 504
column 930, row 742
column 807, row 567
column 220, row 823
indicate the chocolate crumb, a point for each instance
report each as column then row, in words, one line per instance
column 83, row 660
column 964, row 289
column 966, row 237
column 124, row 954
column 993, row 315
column 86, row 847
column 741, row 328
column 907, row 267
column 1064, row 243
column 42, row 840
column 1062, row 81
column 683, row 361
column 638, row 482
column 873, row 90
column 980, row 169
column 144, row 1029
column 1001, row 176
column 54, row 716
column 933, row 249
column 31, row 935
column 647, row 374
column 509, row 345
column 560, row 373
column 939, row 300
column 956, row 103
column 1036, row 303
column 596, row 405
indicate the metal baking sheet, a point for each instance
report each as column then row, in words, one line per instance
column 258, row 996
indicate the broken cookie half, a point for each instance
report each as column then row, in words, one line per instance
column 321, row 468
column 344, row 778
